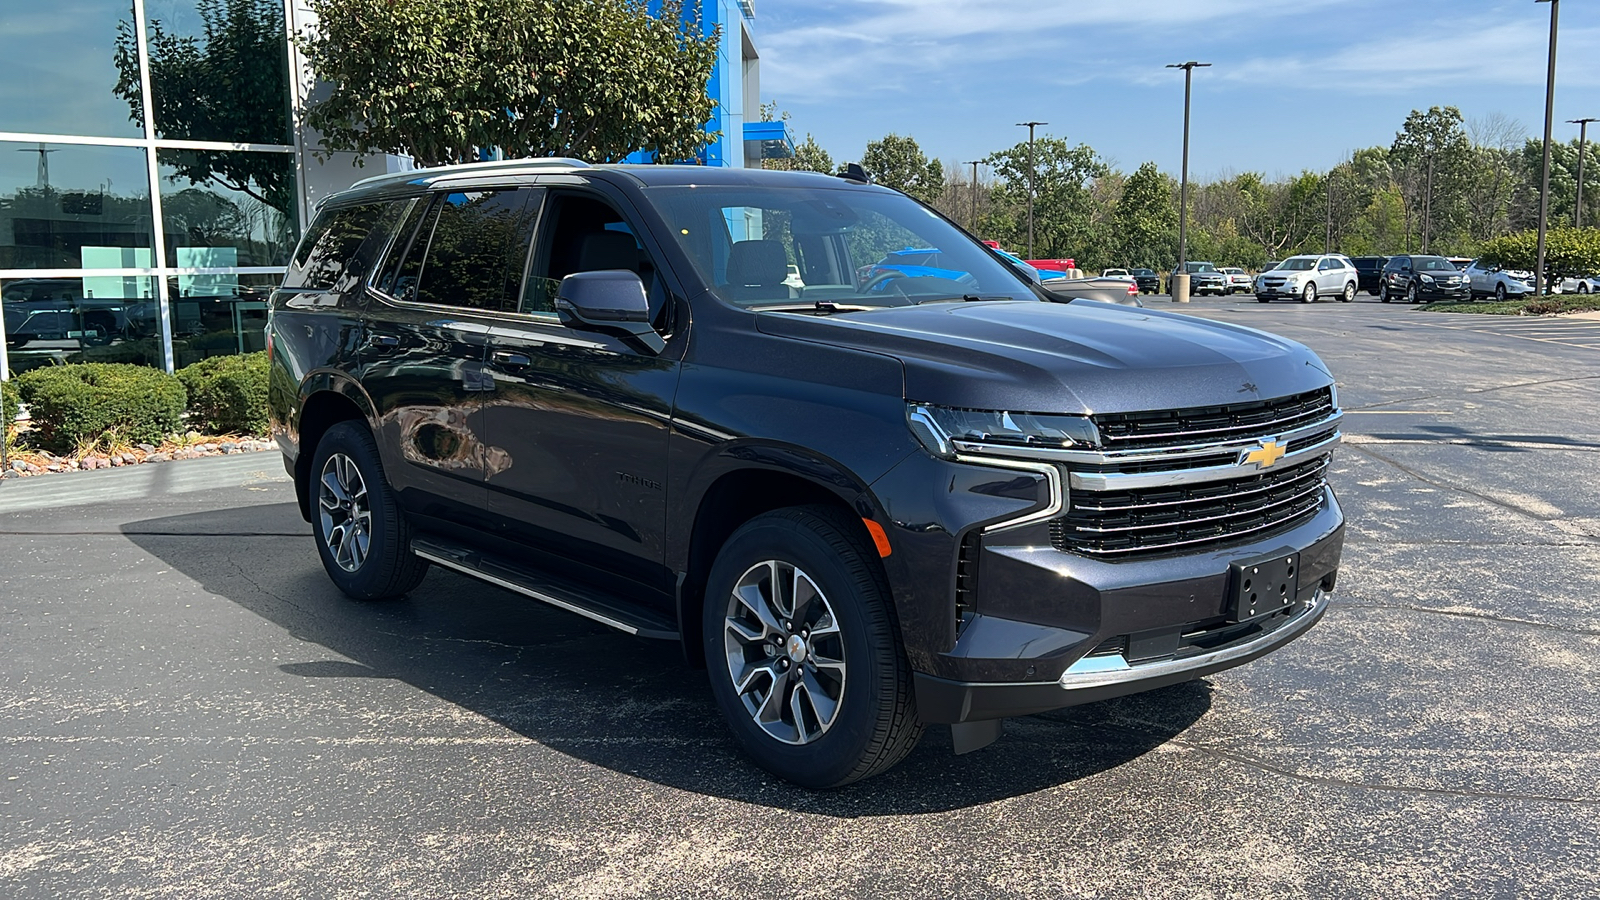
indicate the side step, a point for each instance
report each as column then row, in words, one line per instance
column 607, row 609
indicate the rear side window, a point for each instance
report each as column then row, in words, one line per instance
column 468, row 251
column 331, row 249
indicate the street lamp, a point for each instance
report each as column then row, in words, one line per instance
column 1549, row 114
column 1583, row 139
column 975, row 191
column 1033, row 167
column 1180, row 279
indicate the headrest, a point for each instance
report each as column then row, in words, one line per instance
column 757, row 264
column 607, row 250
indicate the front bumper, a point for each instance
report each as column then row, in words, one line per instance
column 1094, row 678
column 1437, row 292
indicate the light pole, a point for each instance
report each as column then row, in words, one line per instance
column 1180, row 278
column 974, row 164
column 1033, row 168
column 1583, row 139
column 1549, row 114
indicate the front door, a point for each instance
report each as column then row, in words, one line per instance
column 581, row 416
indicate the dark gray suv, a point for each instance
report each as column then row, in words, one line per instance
column 688, row 403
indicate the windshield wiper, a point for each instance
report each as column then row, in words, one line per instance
column 822, row 306
column 966, row 298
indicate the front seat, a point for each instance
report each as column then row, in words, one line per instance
column 756, row 271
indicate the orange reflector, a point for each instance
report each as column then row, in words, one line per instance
column 878, row 537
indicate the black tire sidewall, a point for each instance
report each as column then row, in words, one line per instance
column 870, row 690
column 389, row 565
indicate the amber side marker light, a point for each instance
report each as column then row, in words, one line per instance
column 878, row 537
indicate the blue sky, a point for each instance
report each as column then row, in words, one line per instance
column 1296, row 84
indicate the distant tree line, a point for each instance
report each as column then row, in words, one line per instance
column 1443, row 186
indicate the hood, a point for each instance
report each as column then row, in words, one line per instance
column 1079, row 357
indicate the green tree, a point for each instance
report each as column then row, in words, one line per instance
column 1563, row 183
column 1066, row 222
column 1145, row 224
column 209, row 88
column 810, row 157
column 438, row 79
column 897, row 162
column 1432, row 158
column 1568, row 251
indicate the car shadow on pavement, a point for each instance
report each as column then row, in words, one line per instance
column 631, row 705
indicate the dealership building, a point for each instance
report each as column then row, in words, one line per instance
column 155, row 239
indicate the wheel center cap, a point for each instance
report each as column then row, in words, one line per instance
column 795, row 646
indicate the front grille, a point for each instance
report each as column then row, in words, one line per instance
column 1138, row 524
column 1205, row 424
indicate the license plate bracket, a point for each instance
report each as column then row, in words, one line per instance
column 1262, row 586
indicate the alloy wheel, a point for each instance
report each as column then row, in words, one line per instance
column 784, row 652
column 1309, row 295
column 1500, row 293
column 345, row 512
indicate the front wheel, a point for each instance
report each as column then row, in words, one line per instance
column 1309, row 295
column 803, row 650
column 1349, row 293
column 361, row 534
column 1411, row 293
column 1500, row 293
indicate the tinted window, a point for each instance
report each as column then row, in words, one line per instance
column 1434, row 264
column 585, row 234
column 330, row 248
column 475, row 245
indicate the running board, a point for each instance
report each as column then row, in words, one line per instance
column 558, row 592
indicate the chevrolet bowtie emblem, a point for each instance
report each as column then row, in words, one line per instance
column 1265, row 456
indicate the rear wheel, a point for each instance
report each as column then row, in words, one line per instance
column 1309, row 295
column 803, row 650
column 1383, row 293
column 361, row 534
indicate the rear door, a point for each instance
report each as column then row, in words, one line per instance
column 451, row 270
column 582, row 417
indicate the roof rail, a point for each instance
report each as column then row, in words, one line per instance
column 430, row 173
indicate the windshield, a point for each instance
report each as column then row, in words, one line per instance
column 1298, row 265
column 1432, row 264
column 848, row 247
column 1199, row 267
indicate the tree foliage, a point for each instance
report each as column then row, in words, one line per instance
column 1567, row 252
column 1146, row 223
column 898, row 162
column 1066, row 221
column 438, row 79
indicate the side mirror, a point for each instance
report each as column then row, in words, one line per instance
column 613, row 301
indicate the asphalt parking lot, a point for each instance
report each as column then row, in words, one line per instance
column 191, row 710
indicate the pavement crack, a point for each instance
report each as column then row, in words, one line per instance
column 1448, row 486
column 1330, row 781
column 1463, row 614
column 1523, row 384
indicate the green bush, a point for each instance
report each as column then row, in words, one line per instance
column 227, row 394
column 91, row 404
column 9, row 401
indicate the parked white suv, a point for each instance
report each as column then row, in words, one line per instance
column 1238, row 280
column 1487, row 279
column 1305, row 278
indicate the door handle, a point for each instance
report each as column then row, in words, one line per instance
column 383, row 341
column 510, row 359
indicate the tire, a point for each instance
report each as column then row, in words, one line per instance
column 1261, row 299
column 1583, row 287
column 1309, row 294
column 753, row 638
column 1383, row 292
column 361, row 534
column 1349, row 295
column 1411, row 293
column 1500, row 293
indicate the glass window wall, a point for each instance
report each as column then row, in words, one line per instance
column 97, row 318
column 219, row 70
column 228, row 207
column 71, row 67
column 218, row 315
column 65, row 206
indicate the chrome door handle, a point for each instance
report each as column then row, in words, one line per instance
column 383, row 341
column 513, row 360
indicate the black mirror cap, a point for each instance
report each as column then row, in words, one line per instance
column 606, row 297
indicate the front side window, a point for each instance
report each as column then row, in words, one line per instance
column 583, row 233
column 775, row 246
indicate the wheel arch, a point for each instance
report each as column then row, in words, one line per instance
column 325, row 400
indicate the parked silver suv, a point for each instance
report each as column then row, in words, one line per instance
column 1305, row 278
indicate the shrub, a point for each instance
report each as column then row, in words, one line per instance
column 9, row 401
column 88, row 404
column 227, row 394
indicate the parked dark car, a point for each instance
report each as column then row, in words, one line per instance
column 933, row 497
column 1204, row 279
column 1147, row 279
column 1417, row 279
column 1369, row 271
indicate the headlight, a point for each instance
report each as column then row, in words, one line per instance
column 940, row 429
column 1427, row 279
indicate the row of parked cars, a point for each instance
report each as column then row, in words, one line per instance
column 1413, row 278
